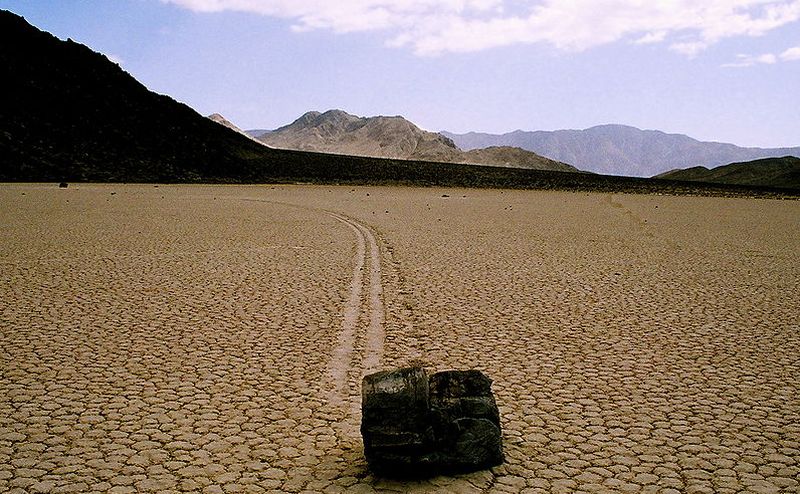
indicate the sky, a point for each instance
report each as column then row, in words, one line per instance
column 717, row 70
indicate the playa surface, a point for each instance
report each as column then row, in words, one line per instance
column 212, row 338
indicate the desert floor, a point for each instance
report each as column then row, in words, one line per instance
column 213, row 338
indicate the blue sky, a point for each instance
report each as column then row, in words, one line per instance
column 723, row 70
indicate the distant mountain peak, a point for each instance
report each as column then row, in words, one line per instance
column 621, row 149
column 334, row 112
column 305, row 119
column 336, row 131
column 613, row 126
column 216, row 117
column 318, row 119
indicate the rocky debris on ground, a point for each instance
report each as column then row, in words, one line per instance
column 416, row 425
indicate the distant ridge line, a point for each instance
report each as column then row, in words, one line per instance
column 336, row 131
column 622, row 149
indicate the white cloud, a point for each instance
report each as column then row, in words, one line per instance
column 654, row 37
column 791, row 54
column 767, row 58
column 689, row 48
column 431, row 27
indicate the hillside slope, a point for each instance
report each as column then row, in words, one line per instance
column 771, row 172
column 620, row 149
column 69, row 113
column 513, row 158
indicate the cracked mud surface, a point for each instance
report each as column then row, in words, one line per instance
column 212, row 339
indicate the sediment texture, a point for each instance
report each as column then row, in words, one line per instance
column 188, row 338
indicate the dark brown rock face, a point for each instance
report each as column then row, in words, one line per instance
column 416, row 425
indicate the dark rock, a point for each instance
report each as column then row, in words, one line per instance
column 463, row 404
column 413, row 425
column 63, row 185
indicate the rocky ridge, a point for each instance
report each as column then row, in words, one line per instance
column 336, row 131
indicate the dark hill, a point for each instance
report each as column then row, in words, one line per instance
column 771, row 172
column 69, row 113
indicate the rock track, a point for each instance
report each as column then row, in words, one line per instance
column 344, row 371
column 359, row 346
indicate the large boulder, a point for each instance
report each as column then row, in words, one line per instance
column 416, row 425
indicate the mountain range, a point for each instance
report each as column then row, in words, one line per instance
column 70, row 114
column 607, row 149
column 339, row 132
column 620, row 149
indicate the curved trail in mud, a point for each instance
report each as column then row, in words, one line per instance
column 365, row 312
column 362, row 326
column 342, row 354
column 373, row 353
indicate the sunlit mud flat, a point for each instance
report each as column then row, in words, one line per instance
column 213, row 338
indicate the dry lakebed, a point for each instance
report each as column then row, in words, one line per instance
column 213, row 338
